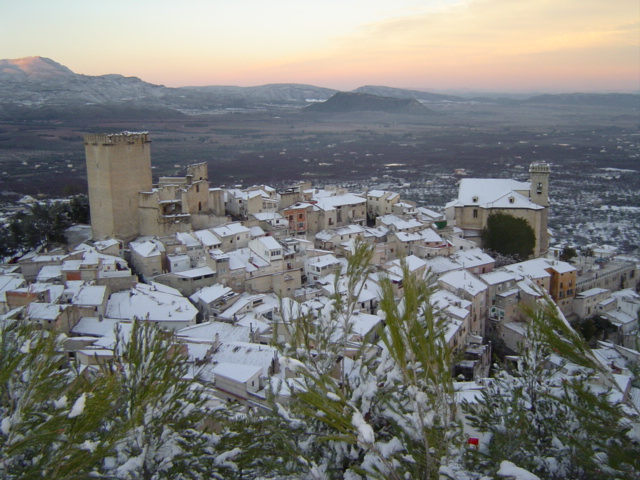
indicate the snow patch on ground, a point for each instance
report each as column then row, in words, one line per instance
column 508, row 469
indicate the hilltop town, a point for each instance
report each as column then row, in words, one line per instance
column 231, row 271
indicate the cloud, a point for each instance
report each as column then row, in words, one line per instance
column 494, row 34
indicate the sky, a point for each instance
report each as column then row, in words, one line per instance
column 436, row 45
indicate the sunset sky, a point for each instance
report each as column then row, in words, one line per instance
column 491, row 45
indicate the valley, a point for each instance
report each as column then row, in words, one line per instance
column 594, row 152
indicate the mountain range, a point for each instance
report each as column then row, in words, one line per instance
column 37, row 88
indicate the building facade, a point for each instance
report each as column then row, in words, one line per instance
column 118, row 167
column 479, row 198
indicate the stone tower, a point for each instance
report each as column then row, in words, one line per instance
column 539, row 173
column 539, row 177
column 118, row 168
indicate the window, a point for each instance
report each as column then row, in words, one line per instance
column 301, row 216
column 475, row 213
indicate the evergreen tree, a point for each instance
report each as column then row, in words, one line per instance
column 52, row 423
column 159, row 413
column 552, row 415
column 509, row 235
column 391, row 414
column 139, row 417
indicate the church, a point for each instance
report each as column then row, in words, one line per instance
column 480, row 197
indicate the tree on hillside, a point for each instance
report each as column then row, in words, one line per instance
column 43, row 225
column 159, row 411
column 568, row 253
column 138, row 417
column 557, row 421
column 388, row 413
column 52, row 421
column 509, row 235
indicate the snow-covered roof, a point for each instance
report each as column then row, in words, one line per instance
column 52, row 258
column 538, row 267
column 257, row 232
column 430, row 214
column 145, row 249
column 207, row 238
column 493, row 193
column 400, row 223
column 408, row 237
column 49, row 272
column 413, row 263
column 531, row 268
column 245, row 258
column 253, row 321
column 226, row 332
column 497, row 276
column 196, row 272
column 518, row 327
column 90, row 295
column 452, row 327
column 187, row 239
column 529, row 287
column 429, row 235
column 562, row 267
column 104, row 244
column 11, row 282
column 363, row 323
column 447, row 302
column 246, row 353
column 463, row 280
column 211, row 293
column 270, row 243
column 236, row 371
column 44, row 311
column 442, row 264
column 332, row 202
column 230, row 229
column 323, row 260
column 509, row 293
column 375, row 193
column 607, row 301
column 268, row 216
column 377, row 232
column 328, row 235
column 298, row 206
column 591, row 292
column 620, row 318
column 474, row 257
column 95, row 327
column 151, row 302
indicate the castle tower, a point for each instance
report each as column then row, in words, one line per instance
column 118, row 167
column 539, row 173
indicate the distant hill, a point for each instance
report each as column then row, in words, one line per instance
column 617, row 100
column 404, row 93
column 37, row 88
column 38, row 81
column 41, row 83
column 346, row 102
